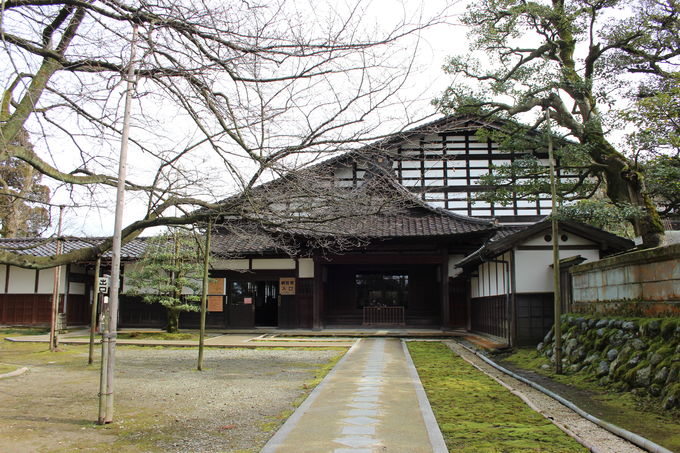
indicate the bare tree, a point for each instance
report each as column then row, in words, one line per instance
column 261, row 87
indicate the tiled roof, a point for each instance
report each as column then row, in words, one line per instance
column 411, row 223
column 48, row 246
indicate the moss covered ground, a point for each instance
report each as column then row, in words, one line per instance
column 478, row 415
column 634, row 413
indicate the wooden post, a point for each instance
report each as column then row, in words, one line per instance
column 444, row 288
column 204, row 295
column 93, row 317
column 557, row 353
column 317, row 294
column 54, row 334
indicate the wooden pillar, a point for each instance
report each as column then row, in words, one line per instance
column 317, row 295
column 444, row 288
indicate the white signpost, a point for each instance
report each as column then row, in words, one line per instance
column 104, row 284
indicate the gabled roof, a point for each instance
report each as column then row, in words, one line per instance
column 506, row 239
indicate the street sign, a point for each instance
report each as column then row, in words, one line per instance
column 104, row 284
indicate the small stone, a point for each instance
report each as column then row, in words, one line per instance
column 638, row 344
column 591, row 323
column 661, row 375
column 545, row 366
column 548, row 337
column 643, row 377
column 602, row 369
column 612, row 354
column 653, row 328
column 635, row 360
column 654, row 390
column 604, row 381
column 591, row 358
column 602, row 323
column 600, row 332
column 539, row 348
column 616, row 323
column 655, row 359
column 669, row 402
column 629, row 326
column 570, row 346
column 673, row 375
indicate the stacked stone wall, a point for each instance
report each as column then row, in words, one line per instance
column 639, row 355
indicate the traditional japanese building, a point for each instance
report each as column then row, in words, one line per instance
column 433, row 256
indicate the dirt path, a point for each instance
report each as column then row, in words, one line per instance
column 602, row 440
column 162, row 403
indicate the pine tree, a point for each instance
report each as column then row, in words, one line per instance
column 169, row 274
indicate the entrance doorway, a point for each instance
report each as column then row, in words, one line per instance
column 260, row 298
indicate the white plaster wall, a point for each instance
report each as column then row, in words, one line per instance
column 474, row 287
column 21, row 281
column 493, row 277
column 453, row 260
column 534, row 274
column 305, row 268
column 273, row 263
column 3, row 275
column 572, row 239
column 76, row 288
column 46, row 281
column 230, row 264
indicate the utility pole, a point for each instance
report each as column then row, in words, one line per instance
column 557, row 352
column 204, row 294
column 54, row 332
column 95, row 300
column 109, row 336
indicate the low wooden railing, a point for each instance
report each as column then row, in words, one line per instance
column 384, row 316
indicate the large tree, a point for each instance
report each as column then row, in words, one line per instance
column 579, row 59
column 259, row 87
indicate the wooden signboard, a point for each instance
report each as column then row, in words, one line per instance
column 215, row 303
column 216, row 286
column 287, row 286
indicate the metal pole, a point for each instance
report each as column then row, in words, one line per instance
column 54, row 334
column 117, row 236
column 557, row 353
column 204, row 294
column 93, row 318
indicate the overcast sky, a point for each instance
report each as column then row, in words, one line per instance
column 426, row 82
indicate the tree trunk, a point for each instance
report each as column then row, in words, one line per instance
column 173, row 321
column 625, row 184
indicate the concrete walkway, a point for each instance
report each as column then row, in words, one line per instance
column 372, row 401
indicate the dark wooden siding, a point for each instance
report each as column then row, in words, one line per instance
column 490, row 315
column 423, row 308
column 35, row 309
column 25, row 309
column 458, row 295
column 534, row 317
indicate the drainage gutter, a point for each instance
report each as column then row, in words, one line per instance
column 631, row 437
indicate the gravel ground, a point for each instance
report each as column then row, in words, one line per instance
column 162, row 403
column 599, row 439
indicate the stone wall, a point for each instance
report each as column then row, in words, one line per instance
column 643, row 283
column 639, row 355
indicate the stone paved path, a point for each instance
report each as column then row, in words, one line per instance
column 371, row 402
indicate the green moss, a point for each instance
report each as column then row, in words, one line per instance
column 475, row 413
column 639, row 414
